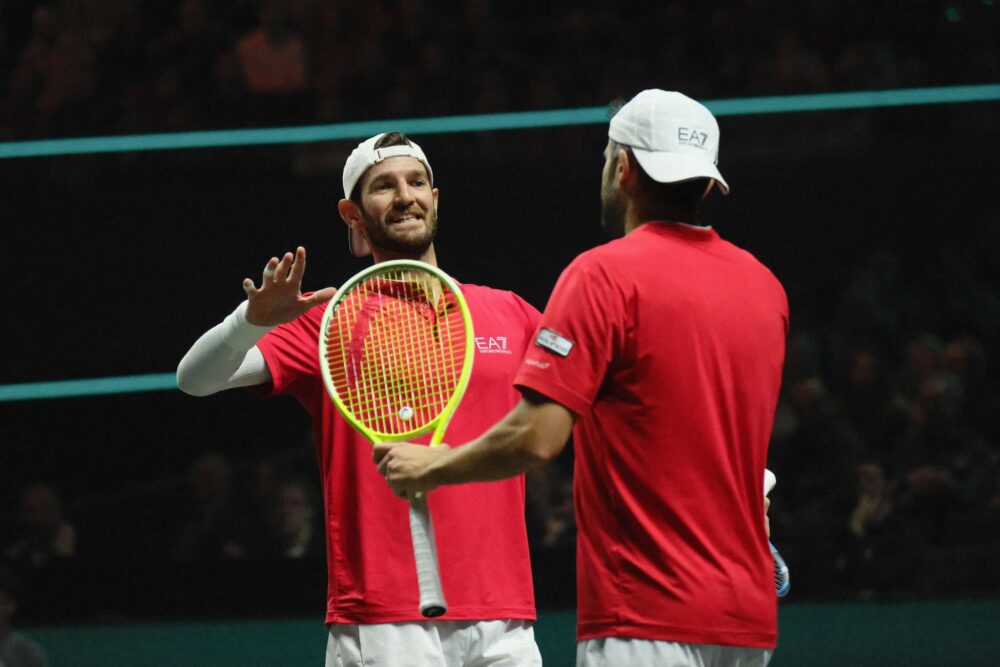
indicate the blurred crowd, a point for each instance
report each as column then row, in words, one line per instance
column 885, row 442
column 223, row 513
column 72, row 67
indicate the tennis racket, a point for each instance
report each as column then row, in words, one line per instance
column 395, row 352
column 782, row 579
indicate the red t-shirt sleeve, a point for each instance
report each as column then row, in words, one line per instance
column 291, row 352
column 579, row 337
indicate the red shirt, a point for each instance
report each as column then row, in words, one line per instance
column 479, row 528
column 668, row 344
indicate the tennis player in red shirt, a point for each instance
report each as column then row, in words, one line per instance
column 662, row 352
column 270, row 342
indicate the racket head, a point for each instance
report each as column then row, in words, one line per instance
column 396, row 350
column 782, row 577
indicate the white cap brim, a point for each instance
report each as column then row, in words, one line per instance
column 665, row 167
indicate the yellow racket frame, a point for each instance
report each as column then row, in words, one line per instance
column 439, row 423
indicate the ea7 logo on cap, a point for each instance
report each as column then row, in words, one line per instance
column 553, row 342
column 689, row 137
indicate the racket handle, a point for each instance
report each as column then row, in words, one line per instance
column 432, row 602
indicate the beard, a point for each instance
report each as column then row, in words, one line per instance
column 381, row 235
column 613, row 207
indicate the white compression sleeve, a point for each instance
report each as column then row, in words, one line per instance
column 225, row 356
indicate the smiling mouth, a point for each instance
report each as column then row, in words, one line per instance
column 404, row 219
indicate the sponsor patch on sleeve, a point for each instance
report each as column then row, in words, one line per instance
column 553, row 342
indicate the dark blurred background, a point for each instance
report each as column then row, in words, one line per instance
column 881, row 224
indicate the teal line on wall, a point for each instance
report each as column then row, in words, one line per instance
column 446, row 124
column 121, row 384
column 487, row 122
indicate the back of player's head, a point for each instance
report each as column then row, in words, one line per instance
column 673, row 137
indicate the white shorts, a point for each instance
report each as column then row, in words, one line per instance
column 433, row 644
column 618, row 651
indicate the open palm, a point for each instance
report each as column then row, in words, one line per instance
column 279, row 298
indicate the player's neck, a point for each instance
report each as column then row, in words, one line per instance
column 634, row 217
column 428, row 256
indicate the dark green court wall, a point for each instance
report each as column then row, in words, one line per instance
column 935, row 634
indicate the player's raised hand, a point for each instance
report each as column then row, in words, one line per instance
column 279, row 298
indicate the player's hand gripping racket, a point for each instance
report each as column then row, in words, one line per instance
column 782, row 580
column 395, row 351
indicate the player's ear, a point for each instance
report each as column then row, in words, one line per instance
column 626, row 170
column 349, row 211
column 351, row 215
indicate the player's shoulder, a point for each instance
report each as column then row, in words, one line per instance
column 615, row 253
column 753, row 264
column 495, row 298
column 486, row 293
column 605, row 261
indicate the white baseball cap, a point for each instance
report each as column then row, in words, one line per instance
column 366, row 155
column 359, row 161
column 673, row 137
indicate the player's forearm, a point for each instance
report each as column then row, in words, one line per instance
column 530, row 436
column 224, row 357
